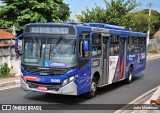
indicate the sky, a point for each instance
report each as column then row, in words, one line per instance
column 76, row 6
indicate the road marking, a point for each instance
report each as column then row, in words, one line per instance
column 124, row 108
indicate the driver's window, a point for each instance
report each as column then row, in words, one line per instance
column 84, row 36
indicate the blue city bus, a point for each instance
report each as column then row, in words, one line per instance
column 76, row 58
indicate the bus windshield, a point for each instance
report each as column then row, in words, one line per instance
column 49, row 52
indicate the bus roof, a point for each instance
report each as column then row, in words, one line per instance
column 94, row 27
column 107, row 27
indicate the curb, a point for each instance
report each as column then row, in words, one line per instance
column 9, row 83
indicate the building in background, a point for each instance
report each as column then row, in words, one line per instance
column 7, row 52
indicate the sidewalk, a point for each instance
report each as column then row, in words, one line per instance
column 152, row 56
column 9, row 81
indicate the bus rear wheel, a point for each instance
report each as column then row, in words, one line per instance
column 130, row 76
column 93, row 90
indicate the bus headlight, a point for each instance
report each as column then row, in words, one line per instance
column 71, row 78
column 68, row 80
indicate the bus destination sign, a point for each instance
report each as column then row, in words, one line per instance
column 50, row 30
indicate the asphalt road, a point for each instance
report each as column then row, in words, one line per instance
column 118, row 93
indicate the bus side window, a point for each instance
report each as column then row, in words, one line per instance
column 84, row 54
column 96, row 45
column 131, row 47
column 144, row 40
column 114, row 47
column 137, row 44
column 143, row 44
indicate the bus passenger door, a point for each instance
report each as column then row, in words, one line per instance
column 123, row 54
column 105, row 68
column 114, row 59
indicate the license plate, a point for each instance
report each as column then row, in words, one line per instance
column 42, row 88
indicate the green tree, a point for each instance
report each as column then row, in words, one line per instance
column 155, row 19
column 141, row 20
column 116, row 12
column 20, row 12
column 96, row 14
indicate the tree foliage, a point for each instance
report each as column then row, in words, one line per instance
column 116, row 12
column 142, row 19
column 121, row 12
column 4, row 70
column 20, row 12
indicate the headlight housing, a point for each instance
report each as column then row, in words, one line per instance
column 68, row 80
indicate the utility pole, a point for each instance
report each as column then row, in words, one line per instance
column 149, row 25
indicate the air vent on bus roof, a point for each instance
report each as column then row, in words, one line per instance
column 76, row 23
column 72, row 23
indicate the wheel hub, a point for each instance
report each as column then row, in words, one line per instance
column 93, row 86
column 130, row 77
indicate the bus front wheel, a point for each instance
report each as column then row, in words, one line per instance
column 93, row 91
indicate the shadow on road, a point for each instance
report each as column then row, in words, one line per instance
column 66, row 99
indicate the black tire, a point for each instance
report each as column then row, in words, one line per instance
column 93, row 90
column 130, row 76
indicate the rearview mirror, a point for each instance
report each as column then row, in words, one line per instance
column 18, row 52
column 85, row 46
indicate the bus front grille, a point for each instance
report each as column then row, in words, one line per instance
column 49, row 87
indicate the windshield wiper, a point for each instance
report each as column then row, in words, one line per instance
column 58, row 41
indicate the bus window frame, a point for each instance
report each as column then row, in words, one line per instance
column 131, row 44
column 138, row 42
column 98, row 45
column 114, row 44
column 82, row 61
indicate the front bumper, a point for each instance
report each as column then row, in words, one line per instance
column 69, row 89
